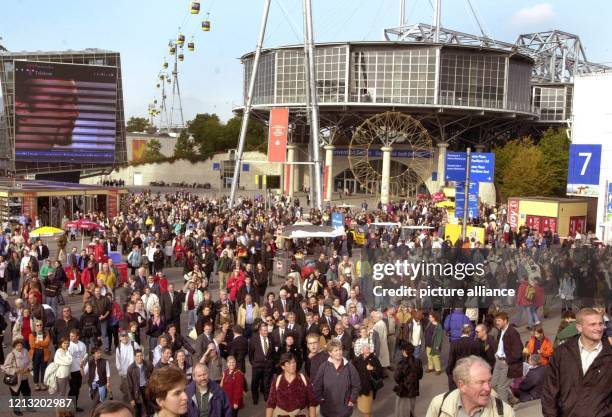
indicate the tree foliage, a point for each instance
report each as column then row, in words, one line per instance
column 153, row 151
column 554, row 146
column 185, row 147
column 523, row 168
column 138, row 124
column 211, row 136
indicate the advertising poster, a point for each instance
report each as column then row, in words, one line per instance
column 277, row 135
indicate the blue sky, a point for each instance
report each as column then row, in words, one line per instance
column 211, row 78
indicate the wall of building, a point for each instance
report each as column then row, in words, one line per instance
column 592, row 121
column 167, row 144
column 184, row 171
column 567, row 211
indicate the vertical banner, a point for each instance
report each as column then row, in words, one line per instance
column 609, row 204
column 277, row 135
column 139, row 147
column 28, row 206
column 513, row 213
column 325, row 180
column 112, row 204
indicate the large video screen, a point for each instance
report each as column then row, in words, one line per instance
column 65, row 113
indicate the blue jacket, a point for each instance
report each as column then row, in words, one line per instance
column 218, row 406
column 453, row 324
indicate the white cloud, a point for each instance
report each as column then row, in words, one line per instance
column 535, row 15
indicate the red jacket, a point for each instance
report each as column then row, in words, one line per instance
column 233, row 385
column 87, row 276
column 536, row 301
column 234, row 283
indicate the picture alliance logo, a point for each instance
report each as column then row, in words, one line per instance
column 458, row 271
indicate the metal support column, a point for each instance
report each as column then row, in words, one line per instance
column 386, row 174
column 314, row 126
column 466, row 203
column 249, row 101
column 437, row 24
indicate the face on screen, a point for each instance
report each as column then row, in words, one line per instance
column 65, row 112
column 46, row 113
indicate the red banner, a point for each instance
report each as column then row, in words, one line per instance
column 325, row 180
column 28, row 207
column 112, row 204
column 513, row 214
column 277, row 135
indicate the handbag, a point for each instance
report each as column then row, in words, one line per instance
column 10, row 380
column 377, row 384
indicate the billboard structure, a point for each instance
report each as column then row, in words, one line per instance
column 65, row 112
column 62, row 112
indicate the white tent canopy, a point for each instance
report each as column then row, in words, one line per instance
column 310, row 231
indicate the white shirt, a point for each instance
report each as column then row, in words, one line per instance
column 78, row 351
column 587, row 357
column 156, row 355
column 416, row 333
column 96, row 377
column 500, row 348
column 124, row 356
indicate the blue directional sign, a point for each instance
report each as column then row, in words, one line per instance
column 609, row 205
column 455, row 166
column 584, row 164
column 337, row 220
column 460, row 200
column 482, row 167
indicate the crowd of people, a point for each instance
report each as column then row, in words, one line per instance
column 316, row 339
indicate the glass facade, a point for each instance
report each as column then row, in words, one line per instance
column 290, row 85
column 519, row 86
column 402, row 76
column 472, row 79
column 264, row 83
column 552, row 103
column 397, row 74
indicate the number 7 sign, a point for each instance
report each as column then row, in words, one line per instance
column 584, row 164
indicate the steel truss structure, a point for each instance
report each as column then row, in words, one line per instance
column 558, row 55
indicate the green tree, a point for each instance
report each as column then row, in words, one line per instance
column 207, row 132
column 138, row 124
column 153, row 151
column 554, row 147
column 185, row 147
column 525, row 174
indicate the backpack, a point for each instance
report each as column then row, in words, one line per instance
column 530, row 292
column 52, row 289
column 499, row 405
column 278, row 380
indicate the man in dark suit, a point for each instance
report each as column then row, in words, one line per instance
column 262, row 364
column 345, row 339
column 239, row 348
column 247, row 288
column 138, row 374
column 42, row 250
column 153, row 285
column 328, row 318
column 284, row 304
column 508, row 358
column 279, row 333
column 463, row 347
column 224, row 301
column 295, row 329
column 311, row 325
column 170, row 304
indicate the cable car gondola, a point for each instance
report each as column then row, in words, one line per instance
column 158, row 85
column 172, row 50
column 180, row 39
column 161, row 77
column 181, row 57
column 165, row 65
column 191, row 46
column 206, row 25
column 195, row 7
